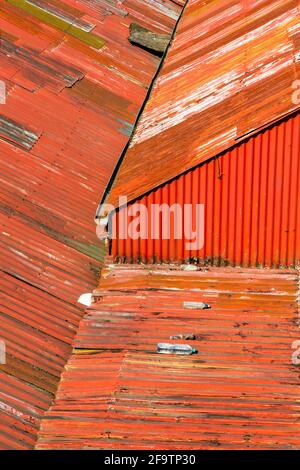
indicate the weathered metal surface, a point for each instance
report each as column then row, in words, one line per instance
column 43, row 71
column 73, row 94
column 15, row 133
column 251, row 207
column 51, row 17
column 241, row 391
column 71, row 16
column 229, row 71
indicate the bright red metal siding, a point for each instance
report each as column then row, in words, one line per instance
column 252, row 210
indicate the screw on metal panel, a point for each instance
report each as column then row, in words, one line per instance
column 196, row 305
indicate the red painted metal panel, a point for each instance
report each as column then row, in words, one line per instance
column 229, row 71
column 251, row 201
column 239, row 392
column 74, row 88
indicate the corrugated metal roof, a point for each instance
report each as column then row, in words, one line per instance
column 250, row 197
column 240, row 391
column 74, row 88
column 228, row 73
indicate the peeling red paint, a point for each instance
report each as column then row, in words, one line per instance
column 239, row 392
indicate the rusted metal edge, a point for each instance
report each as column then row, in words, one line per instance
column 120, row 161
column 255, row 131
column 216, row 157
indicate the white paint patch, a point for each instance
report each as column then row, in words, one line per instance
column 163, row 8
column 2, row 352
column 267, row 71
column 218, row 141
column 2, row 92
column 201, row 99
column 85, row 299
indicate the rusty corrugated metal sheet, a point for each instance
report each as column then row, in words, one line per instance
column 251, row 206
column 240, row 391
column 229, row 71
column 74, row 88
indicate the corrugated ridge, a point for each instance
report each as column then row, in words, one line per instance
column 239, row 392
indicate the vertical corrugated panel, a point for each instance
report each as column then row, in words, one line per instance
column 252, row 207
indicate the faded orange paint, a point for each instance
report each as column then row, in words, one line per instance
column 229, row 72
column 241, row 391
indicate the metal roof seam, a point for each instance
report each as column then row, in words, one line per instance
column 99, row 211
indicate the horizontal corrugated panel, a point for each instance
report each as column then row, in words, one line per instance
column 74, row 89
column 230, row 70
column 239, row 392
column 251, row 206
